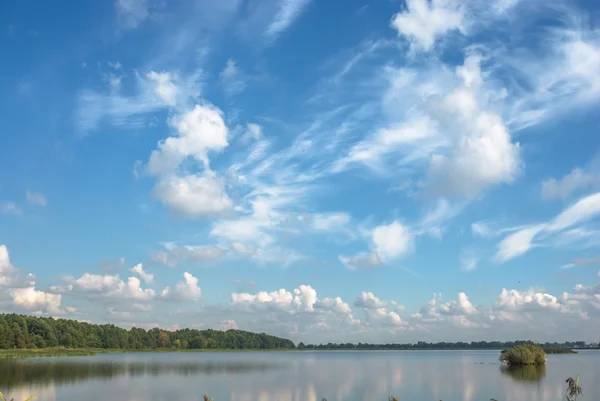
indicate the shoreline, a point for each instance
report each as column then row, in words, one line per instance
column 69, row 352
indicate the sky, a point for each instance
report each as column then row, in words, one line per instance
column 325, row 171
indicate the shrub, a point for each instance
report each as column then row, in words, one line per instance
column 524, row 354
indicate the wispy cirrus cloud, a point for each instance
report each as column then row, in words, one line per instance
column 287, row 12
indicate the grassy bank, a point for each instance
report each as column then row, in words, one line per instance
column 59, row 352
column 46, row 352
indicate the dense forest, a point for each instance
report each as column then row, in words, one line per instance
column 443, row 345
column 19, row 331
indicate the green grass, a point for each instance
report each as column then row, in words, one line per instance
column 61, row 351
column 524, row 354
column 46, row 352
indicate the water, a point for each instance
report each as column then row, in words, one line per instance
column 297, row 376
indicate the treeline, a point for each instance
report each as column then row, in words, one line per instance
column 20, row 331
column 441, row 345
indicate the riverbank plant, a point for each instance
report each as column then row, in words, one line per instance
column 2, row 398
column 524, row 354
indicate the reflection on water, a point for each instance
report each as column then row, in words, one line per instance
column 296, row 376
column 529, row 373
column 61, row 371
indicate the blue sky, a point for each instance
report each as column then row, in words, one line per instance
column 325, row 171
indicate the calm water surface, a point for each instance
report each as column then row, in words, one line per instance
column 297, row 376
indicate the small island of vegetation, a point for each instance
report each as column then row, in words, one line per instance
column 524, row 354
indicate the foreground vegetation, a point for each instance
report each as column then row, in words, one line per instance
column 524, row 354
column 29, row 332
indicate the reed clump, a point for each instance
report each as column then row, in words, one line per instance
column 524, row 354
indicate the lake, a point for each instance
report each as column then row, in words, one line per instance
column 297, row 376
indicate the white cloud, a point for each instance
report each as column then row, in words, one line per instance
column 35, row 198
column 95, row 282
column 176, row 254
column 585, row 209
column 514, row 300
column 5, row 265
column 368, row 300
column 485, row 155
column 288, row 11
column 132, row 289
column 361, row 261
column 227, row 325
column 139, row 269
column 185, row 290
column 241, row 248
column 462, row 306
column 253, row 132
column 164, row 87
column 109, row 286
column 199, row 131
column 424, row 21
column 232, row 78
column 480, row 229
column 33, row 300
column 517, row 243
column 520, row 242
column 468, row 261
column 330, row 221
column 391, row 241
column 576, row 180
column 131, row 13
column 406, row 138
column 302, row 298
column 336, row 305
column 119, row 314
column 10, row 208
column 195, row 196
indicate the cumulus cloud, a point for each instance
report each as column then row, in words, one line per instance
column 139, row 270
column 184, row 290
column 391, row 241
column 30, row 299
column 485, row 154
column 199, row 131
column 388, row 242
column 194, row 196
column 368, row 300
column 35, row 198
column 109, row 286
column 424, row 21
column 5, row 266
